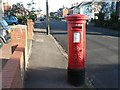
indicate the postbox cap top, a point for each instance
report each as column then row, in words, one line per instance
column 76, row 16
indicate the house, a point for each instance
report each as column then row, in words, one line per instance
column 87, row 8
column 71, row 10
column 84, row 8
column 109, row 7
column 65, row 11
column 62, row 12
column 74, row 9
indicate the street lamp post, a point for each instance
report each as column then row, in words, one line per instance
column 47, row 18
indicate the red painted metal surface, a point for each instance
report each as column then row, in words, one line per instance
column 76, row 41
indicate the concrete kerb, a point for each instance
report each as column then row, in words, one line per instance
column 29, row 48
column 60, row 47
column 40, row 30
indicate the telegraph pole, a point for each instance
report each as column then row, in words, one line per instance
column 47, row 18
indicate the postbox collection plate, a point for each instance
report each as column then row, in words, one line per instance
column 76, row 37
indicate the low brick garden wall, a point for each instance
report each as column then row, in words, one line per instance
column 13, row 72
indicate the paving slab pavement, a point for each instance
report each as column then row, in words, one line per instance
column 47, row 67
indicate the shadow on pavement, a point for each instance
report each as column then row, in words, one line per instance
column 48, row 77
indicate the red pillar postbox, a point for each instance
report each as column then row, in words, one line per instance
column 76, row 48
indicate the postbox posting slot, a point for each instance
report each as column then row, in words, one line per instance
column 75, row 27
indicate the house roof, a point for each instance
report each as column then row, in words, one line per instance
column 81, row 4
column 61, row 9
column 84, row 3
column 72, row 7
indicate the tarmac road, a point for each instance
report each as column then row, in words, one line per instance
column 101, row 55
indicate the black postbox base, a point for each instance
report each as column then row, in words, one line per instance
column 76, row 77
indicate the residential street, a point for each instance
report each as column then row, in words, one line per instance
column 101, row 55
column 70, row 44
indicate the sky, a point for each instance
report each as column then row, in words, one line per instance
column 54, row 5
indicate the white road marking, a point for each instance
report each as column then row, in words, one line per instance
column 109, row 37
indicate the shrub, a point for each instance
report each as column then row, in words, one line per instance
column 100, row 20
column 32, row 16
column 113, row 23
column 92, row 20
column 19, row 19
column 22, row 20
column 116, row 25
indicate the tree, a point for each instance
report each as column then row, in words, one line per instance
column 16, row 9
column 19, row 11
column 113, row 9
column 118, row 9
column 31, row 6
column 32, row 10
column 51, row 13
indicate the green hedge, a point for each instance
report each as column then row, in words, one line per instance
column 113, row 23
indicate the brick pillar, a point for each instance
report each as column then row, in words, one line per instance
column 15, row 37
column 30, row 28
column 19, row 38
column 26, row 45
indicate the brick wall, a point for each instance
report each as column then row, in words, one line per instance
column 19, row 37
column 13, row 72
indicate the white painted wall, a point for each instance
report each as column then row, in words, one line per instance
column 76, row 10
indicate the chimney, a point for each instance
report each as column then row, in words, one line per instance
column 71, row 5
column 76, row 3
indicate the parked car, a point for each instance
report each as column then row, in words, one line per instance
column 42, row 18
column 4, row 32
column 11, row 20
